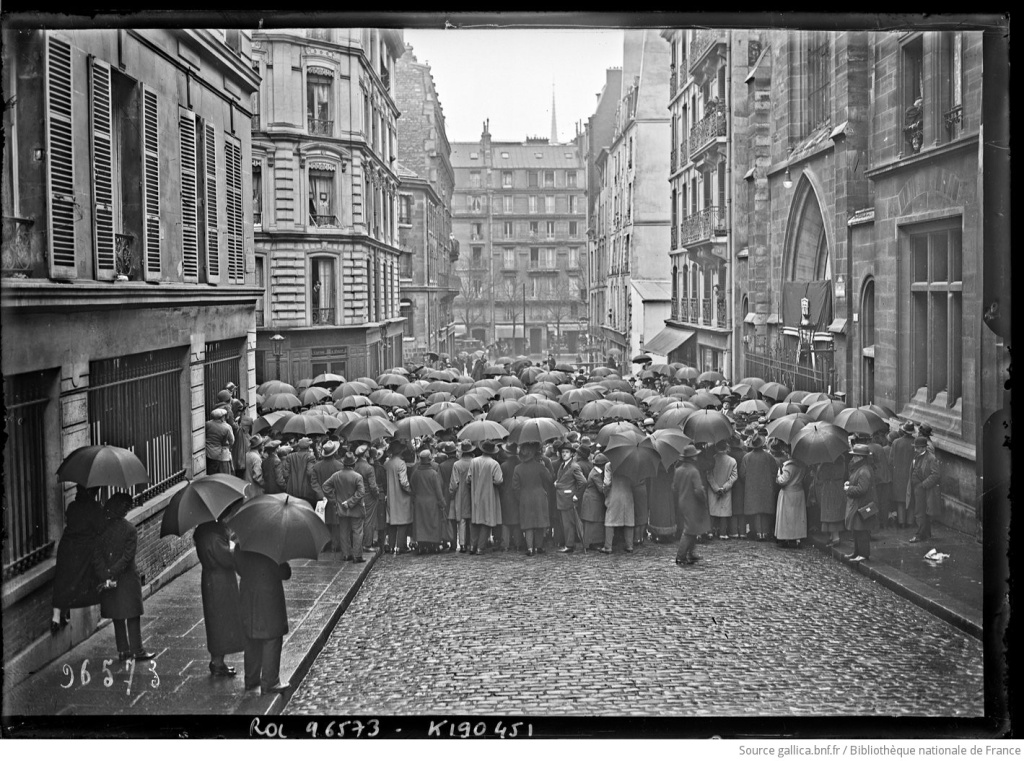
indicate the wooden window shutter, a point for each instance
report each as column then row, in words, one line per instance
column 189, row 205
column 233, row 182
column 212, row 227
column 151, row 243
column 101, row 136
column 60, row 167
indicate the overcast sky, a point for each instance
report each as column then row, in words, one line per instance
column 506, row 75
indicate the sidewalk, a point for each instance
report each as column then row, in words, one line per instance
column 951, row 590
column 178, row 681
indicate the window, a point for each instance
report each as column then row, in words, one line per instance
column 233, row 209
column 405, row 210
column 477, row 231
column 547, row 258
column 534, row 229
column 255, row 102
column 504, row 154
column 475, row 203
column 573, row 204
column 319, row 97
column 913, row 94
column 570, row 179
column 549, row 179
column 534, row 258
column 506, row 179
column 257, row 193
column 953, row 115
column 573, row 229
column 506, row 204
column 263, row 299
column 549, row 206
column 936, row 334
column 474, row 156
column 509, row 259
column 477, row 253
column 818, row 71
column 135, row 402
column 474, row 179
column 507, row 230
column 531, row 179
column 321, row 195
column 323, row 299
column 189, row 148
column 867, row 341
column 533, row 204
column 550, row 230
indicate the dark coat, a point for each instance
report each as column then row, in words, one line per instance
column 221, row 613
column 445, row 468
column 592, row 507
column 662, row 508
column 344, row 491
column 295, row 471
column 261, row 595
column 428, row 502
column 923, row 486
column 509, row 505
column 641, row 513
column 318, row 476
column 273, row 483
column 758, row 470
column 691, row 499
column 75, row 583
column 860, row 492
column 828, row 486
column 901, row 459
column 114, row 558
column 532, row 488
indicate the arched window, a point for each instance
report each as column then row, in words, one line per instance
column 867, row 341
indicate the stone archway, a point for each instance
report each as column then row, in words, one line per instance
column 808, row 244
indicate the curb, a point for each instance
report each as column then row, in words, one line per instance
column 935, row 602
column 279, row 701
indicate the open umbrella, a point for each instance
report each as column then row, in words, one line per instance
column 355, row 401
column 482, row 430
column 554, row 408
column 680, row 390
column 601, row 372
column 640, row 359
column 266, row 422
column 745, row 391
column 330, row 421
column 643, row 394
column 710, row 376
column 302, row 385
column 687, row 374
column 102, row 465
column 661, row 369
column 819, row 443
column 637, row 460
column 574, row 399
column 546, row 388
column 669, row 444
column 787, row 426
column 504, row 409
column 204, row 499
column 616, row 384
column 702, row 400
column 618, row 430
column 621, row 396
column 275, row 387
column 319, row 409
column 564, row 367
column 826, row 411
column 453, row 416
column 403, row 371
column 352, row 388
column 301, row 425
column 510, row 381
column 491, row 383
column 794, row 396
column 283, row 401
column 410, row 390
column 417, row 426
column 503, row 361
column 529, row 375
column 752, row 407
column 624, row 411
column 372, row 411
column 314, row 395
column 511, row 392
column 440, row 396
column 860, row 421
column 442, row 375
column 392, row 380
column 722, row 392
column 392, row 399
column 883, row 412
column 708, row 426
column 754, row 382
column 784, row 408
column 775, row 391
column 673, row 419
column 596, row 409
column 281, row 527
column 540, row 430
column 368, row 429
column 328, row 380
column 814, row 398
column 367, row 382
column 472, row 402
column 492, row 370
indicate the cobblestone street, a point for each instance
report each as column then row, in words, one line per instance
column 750, row 630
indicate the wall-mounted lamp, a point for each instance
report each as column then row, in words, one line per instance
column 787, row 180
column 840, row 287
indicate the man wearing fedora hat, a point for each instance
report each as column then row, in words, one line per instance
column 758, row 469
column 318, row 476
column 461, row 510
column 901, row 458
column 254, row 464
column 923, row 496
column 511, row 534
column 860, row 492
column 295, row 470
column 345, row 491
column 219, row 442
column 569, row 485
column 372, row 497
column 272, row 481
column 484, row 479
column 691, row 504
column 399, row 491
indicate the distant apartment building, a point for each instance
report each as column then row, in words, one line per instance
column 519, row 214
column 428, row 283
column 325, row 186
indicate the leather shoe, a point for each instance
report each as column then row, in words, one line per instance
column 694, row 558
column 915, row 539
column 566, row 549
column 56, row 626
column 142, row 655
column 529, row 553
column 629, row 549
column 606, row 551
column 359, row 559
column 279, row 687
column 222, row 670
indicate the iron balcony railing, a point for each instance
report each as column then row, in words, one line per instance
column 707, row 223
column 703, row 40
column 954, row 119
column 16, row 247
column 673, row 82
column 694, row 310
column 675, row 236
column 705, row 311
column 321, row 127
column 684, row 151
column 720, row 317
column 708, row 129
column 124, row 254
column 323, row 315
column 323, row 220
column 672, row 160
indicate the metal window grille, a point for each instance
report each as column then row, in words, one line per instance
column 221, row 366
column 135, row 403
column 26, row 528
column 818, row 85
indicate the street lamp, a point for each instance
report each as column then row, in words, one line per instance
column 277, row 340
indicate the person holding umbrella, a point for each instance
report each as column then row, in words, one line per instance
column 114, row 563
column 219, row 442
column 273, row 483
column 264, row 617
column 860, row 492
column 758, row 469
column 923, row 489
column 319, row 474
column 428, row 503
column 569, row 485
column 344, row 490
column 484, row 480
column 691, row 504
column 222, row 615
column 618, row 501
column 461, row 509
column 828, row 483
column 74, row 584
column 791, row 511
column 511, row 534
column 399, row 503
column 531, row 486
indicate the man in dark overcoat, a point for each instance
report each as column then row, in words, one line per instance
column 219, row 587
column 922, row 495
column 901, row 458
column 511, row 535
column 264, row 618
column 318, row 476
column 758, row 470
column 345, row 491
column 295, row 470
column 371, row 499
column 860, row 491
column 691, row 504
column 272, row 481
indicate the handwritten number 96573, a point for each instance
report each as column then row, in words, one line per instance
column 84, row 677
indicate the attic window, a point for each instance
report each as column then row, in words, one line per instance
column 504, row 154
column 474, row 155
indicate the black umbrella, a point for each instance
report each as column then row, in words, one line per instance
column 281, row 527
column 205, row 499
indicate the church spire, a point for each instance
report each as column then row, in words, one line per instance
column 554, row 124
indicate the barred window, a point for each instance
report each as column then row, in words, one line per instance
column 221, row 367
column 818, row 81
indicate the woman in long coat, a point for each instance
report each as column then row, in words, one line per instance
column 219, row 585
column 738, row 523
column 428, row 503
column 74, row 583
column 860, row 491
column 399, row 507
column 510, row 531
column 532, row 487
column 592, row 508
column 791, row 514
column 758, row 470
column 828, row 486
column 691, row 504
column 114, row 563
column 618, row 503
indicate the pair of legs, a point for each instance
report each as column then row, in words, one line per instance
column 351, row 531
column 219, row 466
column 861, row 544
column 568, row 521
column 128, row 635
column 262, row 663
column 924, row 526
column 609, row 537
column 901, row 513
column 398, row 537
column 511, row 536
column 370, row 527
column 685, row 553
column 534, row 539
column 721, row 527
column 480, row 533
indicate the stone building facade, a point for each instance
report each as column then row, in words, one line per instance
column 428, row 283
column 326, row 196
column 519, row 214
column 127, row 288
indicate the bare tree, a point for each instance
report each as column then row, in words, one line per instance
column 564, row 303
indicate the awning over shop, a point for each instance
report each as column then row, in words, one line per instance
column 668, row 340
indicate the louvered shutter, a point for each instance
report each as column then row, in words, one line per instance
column 189, row 205
column 151, row 243
column 233, row 180
column 60, row 166
column 101, row 136
column 212, row 228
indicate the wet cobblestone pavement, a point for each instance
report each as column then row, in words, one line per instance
column 750, row 630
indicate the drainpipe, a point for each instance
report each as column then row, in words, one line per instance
column 730, row 292
column 847, row 292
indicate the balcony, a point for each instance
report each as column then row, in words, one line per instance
column 720, row 317
column 705, row 312
column 954, row 119
column 257, row 219
column 672, row 161
column 320, row 35
column 708, row 129
column 323, row 220
column 321, row 127
column 707, row 223
column 703, row 41
column 17, row 248
column 675, row 236
column 323, row 315
column 684, row 151
column 255, row 122
column 673, row 82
